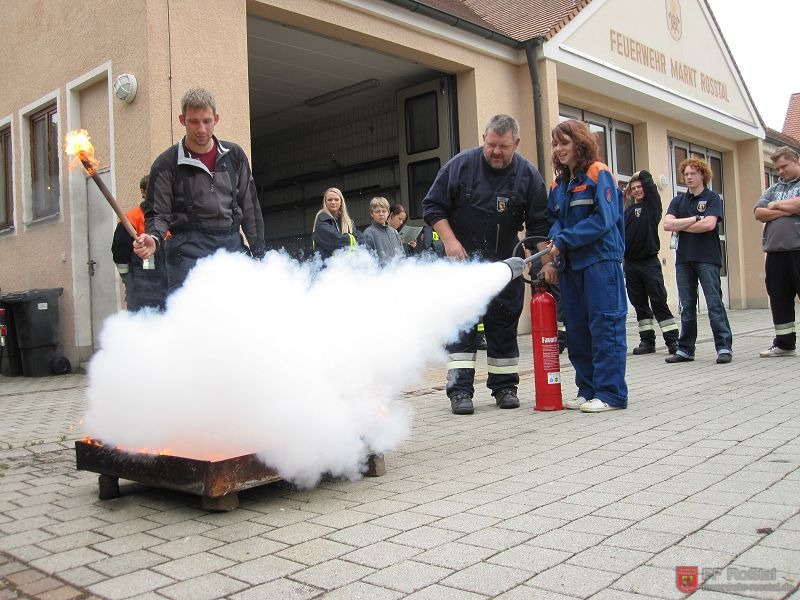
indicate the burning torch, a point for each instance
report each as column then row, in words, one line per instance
column 77, row 144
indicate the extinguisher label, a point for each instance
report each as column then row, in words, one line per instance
column 553, row 378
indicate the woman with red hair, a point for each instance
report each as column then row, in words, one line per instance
column 587, row 231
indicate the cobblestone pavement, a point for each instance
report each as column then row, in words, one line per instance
column 700, row 471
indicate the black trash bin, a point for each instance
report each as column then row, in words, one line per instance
column 36, row 326
column 10, row 360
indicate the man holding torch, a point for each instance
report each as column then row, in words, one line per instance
column 202, row 191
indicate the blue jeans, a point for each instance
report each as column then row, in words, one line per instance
column 688, row 275
column 594, row 313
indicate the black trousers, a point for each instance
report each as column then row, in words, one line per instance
column 783, row 284
column 644, row 282
column 185, row 248
column 502, row 352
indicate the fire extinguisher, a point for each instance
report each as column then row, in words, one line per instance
column 3, row 329
column 546, row 363
column 544, row 331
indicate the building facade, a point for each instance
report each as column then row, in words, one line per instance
column 371, row 96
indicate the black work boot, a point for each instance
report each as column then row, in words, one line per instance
column 461, row 403
column 506, row 398
column 672, row 347
column 644, row 348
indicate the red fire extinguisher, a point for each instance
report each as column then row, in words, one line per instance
column 3, row 331
column 546, row 364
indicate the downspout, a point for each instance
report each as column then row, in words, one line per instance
column 531, row 47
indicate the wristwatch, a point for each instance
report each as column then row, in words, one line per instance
column 697, row 218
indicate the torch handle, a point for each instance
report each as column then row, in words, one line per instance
column 110, row 198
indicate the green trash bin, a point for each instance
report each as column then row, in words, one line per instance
column 36, row 325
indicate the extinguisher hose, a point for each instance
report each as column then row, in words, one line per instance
column 529, row 242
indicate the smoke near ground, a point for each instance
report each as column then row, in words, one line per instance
column 302, row 365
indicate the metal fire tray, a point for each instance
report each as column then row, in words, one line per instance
column 217, row 482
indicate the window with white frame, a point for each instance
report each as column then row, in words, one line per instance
column 6, row 179
column 44, row 156
column 614, row 140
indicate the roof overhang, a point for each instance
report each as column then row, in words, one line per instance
column 585, row 54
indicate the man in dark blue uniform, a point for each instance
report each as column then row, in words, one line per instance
column 478, row 204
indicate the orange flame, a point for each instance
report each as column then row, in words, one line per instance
column 77, row 144
column 151, row 451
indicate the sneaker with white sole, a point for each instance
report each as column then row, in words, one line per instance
column 595, row 405
column 776, row 351
column 574, row 403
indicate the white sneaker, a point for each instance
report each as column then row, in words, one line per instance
column 595, row 405
column 574, row 403
column 775, row 351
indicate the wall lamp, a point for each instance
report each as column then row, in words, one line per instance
column 356, row 88
column 125, row 87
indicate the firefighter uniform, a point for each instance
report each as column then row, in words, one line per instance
column 587, row 227
column 486, row 209
column 643, row 277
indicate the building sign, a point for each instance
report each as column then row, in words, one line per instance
column 678, row 51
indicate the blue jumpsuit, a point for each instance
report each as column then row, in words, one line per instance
column 587, row 225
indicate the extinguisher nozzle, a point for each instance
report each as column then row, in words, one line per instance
column 516, row 264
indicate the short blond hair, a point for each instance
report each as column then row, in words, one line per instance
column 198, row 97
column 378, row 202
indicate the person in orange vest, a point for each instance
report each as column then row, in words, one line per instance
column 145, row 281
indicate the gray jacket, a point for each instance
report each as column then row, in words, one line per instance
column 782, row 234
column 384, row 241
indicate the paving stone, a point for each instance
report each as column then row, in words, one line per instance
column 363, row 534
column 381, row 554
column 207, row 587
column 279, row 588
column 263, row 569
column 297, row 533
column 127, row 563
column 314, row 551
column 192, row 566
column 131, row 584
column 441, row 592
column 62, row 561
column 567, row 540
column 572, row 580
column 186, row 546
column 486, row 578
column 426, row 537
column 342, row 518
column 237, row 532
column 362, row 591
column 405, row 520
column 332, row 574
column 248, row 549
column 407, row 576
column 454, row 555
column 642, row 539
column 128, row 543
column 610, row 558
column 495, row 538
column 529, row 558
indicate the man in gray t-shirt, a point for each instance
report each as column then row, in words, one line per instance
column 779, row 210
